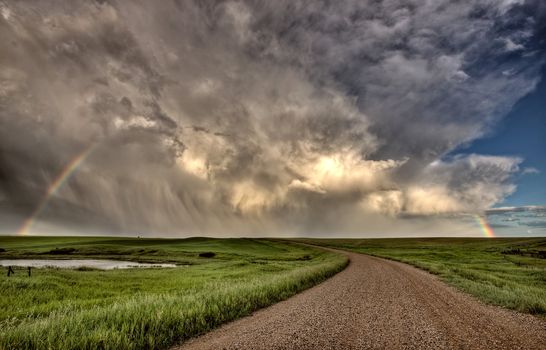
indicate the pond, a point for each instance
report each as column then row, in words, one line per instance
column 77, row 263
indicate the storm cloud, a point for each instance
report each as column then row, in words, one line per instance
column 266, row 118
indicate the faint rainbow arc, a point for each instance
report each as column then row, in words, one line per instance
column 484, row 226
column 63, row 176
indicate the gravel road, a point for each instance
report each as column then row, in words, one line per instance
column 379, row 304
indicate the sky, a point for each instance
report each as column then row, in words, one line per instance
column 522, row 132
column 285, row 118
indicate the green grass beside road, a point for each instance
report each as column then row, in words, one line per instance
column 509, row 272
column 147, row 308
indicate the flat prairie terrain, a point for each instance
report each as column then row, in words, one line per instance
column 510, row 272
column 147, row 308
column 379, row 304
column 374, row 303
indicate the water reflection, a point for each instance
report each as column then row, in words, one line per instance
column 77, row 263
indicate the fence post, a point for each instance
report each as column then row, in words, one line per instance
column 10, row 271
column 29, row 271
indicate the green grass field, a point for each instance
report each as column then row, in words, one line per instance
column 147, row 308
column 509, row 272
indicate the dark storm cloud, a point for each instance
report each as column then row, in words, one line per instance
column 261, row 117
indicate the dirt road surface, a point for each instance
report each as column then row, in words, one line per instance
column 379, row 304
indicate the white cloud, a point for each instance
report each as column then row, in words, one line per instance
column 511, row 46
column 530, row 170
column 5, row 11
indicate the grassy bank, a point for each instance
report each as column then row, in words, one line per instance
column 509, row 272
column 147, row 308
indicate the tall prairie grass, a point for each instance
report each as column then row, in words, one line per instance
column 155, row 308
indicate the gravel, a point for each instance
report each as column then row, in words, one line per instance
column 379, row 304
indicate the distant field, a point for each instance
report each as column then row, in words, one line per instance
column 147, row 308
column 510, row 272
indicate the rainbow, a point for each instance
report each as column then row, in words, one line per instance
column 486, row 229
column 63, row 176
